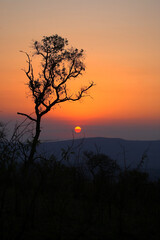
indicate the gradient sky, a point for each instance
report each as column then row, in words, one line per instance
column 121, row 39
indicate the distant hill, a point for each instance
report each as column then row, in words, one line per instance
column 125, row 152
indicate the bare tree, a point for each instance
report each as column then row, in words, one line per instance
column 58, row 65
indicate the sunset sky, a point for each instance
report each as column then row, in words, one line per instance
column 121, row 39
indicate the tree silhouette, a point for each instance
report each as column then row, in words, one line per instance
column 58, row 65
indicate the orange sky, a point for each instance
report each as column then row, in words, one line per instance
column 121, row 41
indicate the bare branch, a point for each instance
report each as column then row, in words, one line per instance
column 26, row 115
column 29, row 62
column 80, row 95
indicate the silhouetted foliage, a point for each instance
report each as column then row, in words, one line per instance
column 101, row 165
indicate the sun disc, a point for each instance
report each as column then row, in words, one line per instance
column 77, row 129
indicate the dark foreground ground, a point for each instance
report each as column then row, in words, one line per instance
column 52, row 201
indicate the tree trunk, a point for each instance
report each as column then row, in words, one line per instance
column 35, row 141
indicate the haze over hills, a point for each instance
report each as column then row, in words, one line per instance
column 125, row 152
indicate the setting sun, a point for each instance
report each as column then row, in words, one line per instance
column 77, row 129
